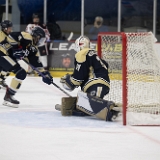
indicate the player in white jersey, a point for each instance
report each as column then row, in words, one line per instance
column 36, row 23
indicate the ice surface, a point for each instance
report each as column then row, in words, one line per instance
column 36, row 131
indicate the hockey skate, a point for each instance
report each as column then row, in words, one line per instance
column 116, row 110
column 9, row 100
column 3, row 85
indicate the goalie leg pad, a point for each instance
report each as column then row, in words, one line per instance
column 75, row 112
column 95, row 106
column 68, row 105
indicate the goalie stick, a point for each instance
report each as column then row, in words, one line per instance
column 40, row 73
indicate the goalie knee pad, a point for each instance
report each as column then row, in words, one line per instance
column 68, row 105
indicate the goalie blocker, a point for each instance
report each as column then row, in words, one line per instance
column 86, row 104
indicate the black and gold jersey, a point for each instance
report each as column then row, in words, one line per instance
column 89, row 70
column 23, row 39
column 5, row 44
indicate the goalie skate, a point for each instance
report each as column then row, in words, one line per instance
column 117, row 107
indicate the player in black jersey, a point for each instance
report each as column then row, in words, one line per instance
column 5, row 50
column 25, row 45
column 9, row 64
column 10, row 51
column 91, row 74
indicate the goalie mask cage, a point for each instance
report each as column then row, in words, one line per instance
column 134, row 70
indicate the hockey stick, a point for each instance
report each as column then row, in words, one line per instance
column 70, row 36
column 40, row 73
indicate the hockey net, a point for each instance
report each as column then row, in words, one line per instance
column 134, row 70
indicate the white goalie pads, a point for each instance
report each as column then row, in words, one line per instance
column 97, row 107
column 83, row 101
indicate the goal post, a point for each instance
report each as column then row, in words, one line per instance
column 134, row 70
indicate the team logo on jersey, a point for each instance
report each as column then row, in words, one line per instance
column 78, row 66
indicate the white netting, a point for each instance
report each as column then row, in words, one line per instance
column 143, row 75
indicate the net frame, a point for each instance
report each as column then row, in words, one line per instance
column 124, row 65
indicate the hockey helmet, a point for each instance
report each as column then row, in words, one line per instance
column 6, row 24
column 81, row 43
column 38, row 31
column 38, row 36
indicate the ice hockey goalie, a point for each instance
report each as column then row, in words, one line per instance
column 91, row 74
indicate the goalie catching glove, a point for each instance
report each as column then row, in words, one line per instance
column 67, row 82
column 47, row 78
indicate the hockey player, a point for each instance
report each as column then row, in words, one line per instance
column 26, row 45
column 36, row 23
column 10, row 51
column 91, row 74
column 5, row 48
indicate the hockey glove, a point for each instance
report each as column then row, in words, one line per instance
column 63, row 79
column 66, row 82
column 48, row 79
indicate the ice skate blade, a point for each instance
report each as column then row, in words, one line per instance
column 9, row 104
column 58, row 107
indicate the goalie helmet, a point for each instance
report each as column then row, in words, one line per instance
column 81, row 43
column 6, row 24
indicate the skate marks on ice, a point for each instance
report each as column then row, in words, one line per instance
column 52, row 119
